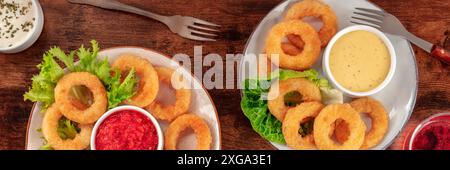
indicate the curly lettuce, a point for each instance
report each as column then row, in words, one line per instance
column 43, row 84
column 254, row 102
column 256, row 110
column 67, row 129
column 42, row 88
column 121, row 91
column 311, row 74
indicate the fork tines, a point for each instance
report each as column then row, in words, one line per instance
column 368, row 17
column 203, row 30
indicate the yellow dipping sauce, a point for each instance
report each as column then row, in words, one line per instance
column 359, row 61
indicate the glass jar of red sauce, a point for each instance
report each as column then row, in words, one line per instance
column 431, row 134
column 127, row 128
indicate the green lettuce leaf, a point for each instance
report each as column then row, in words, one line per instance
column 43, row 84
column 67, row 129
column 254, row 102
column 66, row 59
column 120, row 91
column 311, row 74
column 256, row 110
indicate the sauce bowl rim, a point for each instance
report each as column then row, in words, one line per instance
column 133, row 108
column 379, row 34
column 32, row 35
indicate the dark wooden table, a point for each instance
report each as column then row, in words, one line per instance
column 68, row 26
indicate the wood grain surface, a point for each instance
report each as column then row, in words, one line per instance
column 68, row 26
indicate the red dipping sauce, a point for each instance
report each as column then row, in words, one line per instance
column 432, row 134
column 126, row 130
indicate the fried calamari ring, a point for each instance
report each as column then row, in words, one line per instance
column 308, row 90
column 326, row 119
column 199, row 126
column 148, row 84
column 182, row 98
column 301, row 61
column 315, row 8
column 291, row 124
column 50, row 126
column 375, row 110
column 64, row 101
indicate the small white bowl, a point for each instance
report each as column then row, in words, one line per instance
column 32, row 36
column 128, row 107
column 326, row 57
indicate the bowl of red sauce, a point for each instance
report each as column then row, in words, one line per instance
column 127, row 128
column 431, row 134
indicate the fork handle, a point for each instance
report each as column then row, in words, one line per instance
column 435, row 50
column 441, row 53
column 116, row 5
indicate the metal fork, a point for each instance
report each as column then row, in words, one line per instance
column 185, row 26
column 390, row 24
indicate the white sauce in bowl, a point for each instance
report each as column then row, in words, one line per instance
column 17, row 19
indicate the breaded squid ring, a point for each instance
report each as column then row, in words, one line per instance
column 292, row 121
column 50, row 126
column 199, row 126
column 182, row 101
column 315, row 8
column 276, row 104
column 148, row 84
column 69, row 110
column 324, row 123
column 301, row 61
column 380, row 121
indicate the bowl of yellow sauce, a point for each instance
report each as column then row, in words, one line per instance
column 359, row 61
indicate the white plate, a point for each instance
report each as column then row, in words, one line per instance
column 398, row 97
column 201, row 104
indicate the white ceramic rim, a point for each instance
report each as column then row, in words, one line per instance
column 423, row 124
column 382, row 36
column 33, row 35
column 128, row 107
